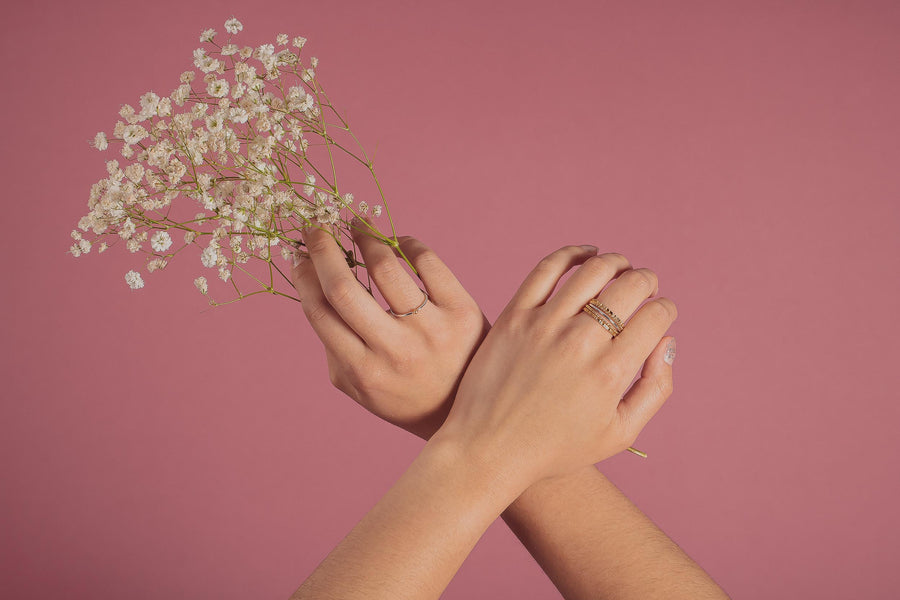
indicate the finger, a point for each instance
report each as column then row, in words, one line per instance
column 623, row 296
column 344, row 293
column 396, row 286
column 441, row 284
column 649, row 392
column 336, row 335
column 587, row 281
column 542, row 280
column 644, row 330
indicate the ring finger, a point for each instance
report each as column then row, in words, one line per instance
column 395, row 284
column 623, row 296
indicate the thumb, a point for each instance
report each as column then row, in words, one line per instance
column 650, row 391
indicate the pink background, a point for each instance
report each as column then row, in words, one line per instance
column 747, row 152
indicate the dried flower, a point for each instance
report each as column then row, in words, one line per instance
column 134, row 280
column 239, row 146
column 202, row 285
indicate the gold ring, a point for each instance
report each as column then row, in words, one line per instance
column 596, row 302
column 603, row 319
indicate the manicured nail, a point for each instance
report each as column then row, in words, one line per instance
column 589, row 248
column 670, row 352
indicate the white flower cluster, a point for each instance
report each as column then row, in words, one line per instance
column 233, row 136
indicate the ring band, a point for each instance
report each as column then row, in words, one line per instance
column 416, row 310
column 596, row 302
column 604, row 316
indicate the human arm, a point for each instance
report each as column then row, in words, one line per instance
column 593, row 542
column 557, row 520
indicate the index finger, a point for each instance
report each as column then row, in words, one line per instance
column 344, row 293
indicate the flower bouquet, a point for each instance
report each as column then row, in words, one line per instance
column 243, row 140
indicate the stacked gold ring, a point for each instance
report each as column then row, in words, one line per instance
column 603, row 315
column 605, row 308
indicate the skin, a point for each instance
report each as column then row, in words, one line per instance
column 502, row 433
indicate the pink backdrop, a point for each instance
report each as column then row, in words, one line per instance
column 747, row 152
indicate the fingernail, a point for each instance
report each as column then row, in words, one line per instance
column 589, row 248
column 296, row 257
column 670, row 352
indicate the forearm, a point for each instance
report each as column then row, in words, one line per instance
column 593, row 542
column 415, row 539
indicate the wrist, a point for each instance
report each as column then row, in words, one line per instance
column 490, row 467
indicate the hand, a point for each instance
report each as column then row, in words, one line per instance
column 543, row 395
column 403, row 369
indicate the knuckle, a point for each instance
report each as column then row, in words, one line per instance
column 642, row 279
column 616, row 256
column 319, row 244
column 341, row 292
column 403, row 358
column 545, row 330
column 657, row 310
column 427, row 260
column 547, row 264
column 669, row 305
column 387, row 270
column 315, row 311
column 598, row 264
column 664, row 386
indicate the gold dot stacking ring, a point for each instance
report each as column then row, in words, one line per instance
column 416, row 310
column 603, row 319
column 596, row 302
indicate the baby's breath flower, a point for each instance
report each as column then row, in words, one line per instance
column 229, row 49
column 127, row 230
column 207, row 35
column 281, row 39
column 376, row 210
column 134, row 134
column 188, row 76
column 160, row 241
column 233, row 26
column 224, row 273
column 156, row 263
column 314, row 61
column 298, row 41
column 217, row 88
column 363, row 207
column 209, row 256
column 127, row 112
column 100, row 142
column 202, row 285
column 149, row 105
column 246, row 52
column 134, row 172
column 134, row 280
